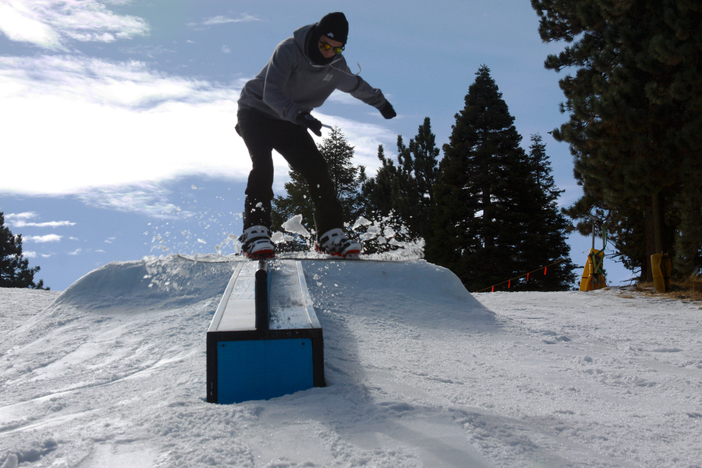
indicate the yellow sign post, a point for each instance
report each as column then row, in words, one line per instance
column 593, row 275
column 662, row 268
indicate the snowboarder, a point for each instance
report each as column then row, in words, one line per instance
column 274, row 114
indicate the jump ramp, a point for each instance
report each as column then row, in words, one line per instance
column 265, row 340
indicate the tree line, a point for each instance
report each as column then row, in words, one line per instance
column 487, row 210
column 633, row 100
column 634, row 105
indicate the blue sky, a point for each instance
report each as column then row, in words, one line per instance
column 117, row 116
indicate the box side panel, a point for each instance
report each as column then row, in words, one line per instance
column 263, row 369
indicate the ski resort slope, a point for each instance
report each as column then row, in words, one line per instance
column 420, row 373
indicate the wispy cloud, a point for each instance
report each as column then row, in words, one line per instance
column 147, row 199
column 19, row 220
column 43, row 239
column 20, row 23
column 49, row 24
column 52, row 224
column 244, row 18
column 119, row 123
column 13, row 218
column 33, row 254
column 122, row 126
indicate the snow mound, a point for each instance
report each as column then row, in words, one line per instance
column 411, row 290
column 152, row 283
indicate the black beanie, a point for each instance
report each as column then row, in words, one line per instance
column 334, row 26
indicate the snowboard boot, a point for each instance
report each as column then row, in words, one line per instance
column 336, row 243
column 256, row 243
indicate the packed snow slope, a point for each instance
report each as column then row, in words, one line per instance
column 111, row 373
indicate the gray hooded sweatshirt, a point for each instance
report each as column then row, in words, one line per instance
column 291, row 83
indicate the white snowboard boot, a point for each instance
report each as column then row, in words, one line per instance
column 256, row 242
column 335, row 242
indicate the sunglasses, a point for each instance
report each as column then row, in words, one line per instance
column 325, row 46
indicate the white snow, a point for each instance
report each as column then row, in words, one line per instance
column 294, row 225
column 111, row 373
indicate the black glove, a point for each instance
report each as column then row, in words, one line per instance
column 387, row 111
column 305, row 119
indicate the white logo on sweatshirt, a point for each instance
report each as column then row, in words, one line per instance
column 328, row 77
column 330, row 34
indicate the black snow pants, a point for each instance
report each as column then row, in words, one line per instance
column 263, row 134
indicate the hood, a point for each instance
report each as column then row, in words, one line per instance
column 301, row 37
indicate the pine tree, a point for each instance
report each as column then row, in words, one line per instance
column 635, row 107
column 346, row 177
column 14, row 269
column 547, row 229
column 421, row 162
column 492, row 200
column 377, row 191
column 407, row 189
column 296, row 202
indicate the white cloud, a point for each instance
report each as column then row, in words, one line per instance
column 48, row 23
column 106, row 124
column 111, row 132
column 52, row 224
column 147, row 199
column 19, row 220
column 19, row 217
column 21, row 24
column 225, row 19
column 75, row 252
column 42, row 239
column 26, row 254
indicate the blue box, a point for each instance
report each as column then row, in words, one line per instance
column 283, row 354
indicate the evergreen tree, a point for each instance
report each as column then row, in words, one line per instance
column 14, row 269
column 635, row 106
column 495, row 205
column 346, row 177
column 381, row 194
column 377, row 191
column 296, row 202
column 407, row 189
column 547, row 229
column 420, row 161
column 404, row 195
